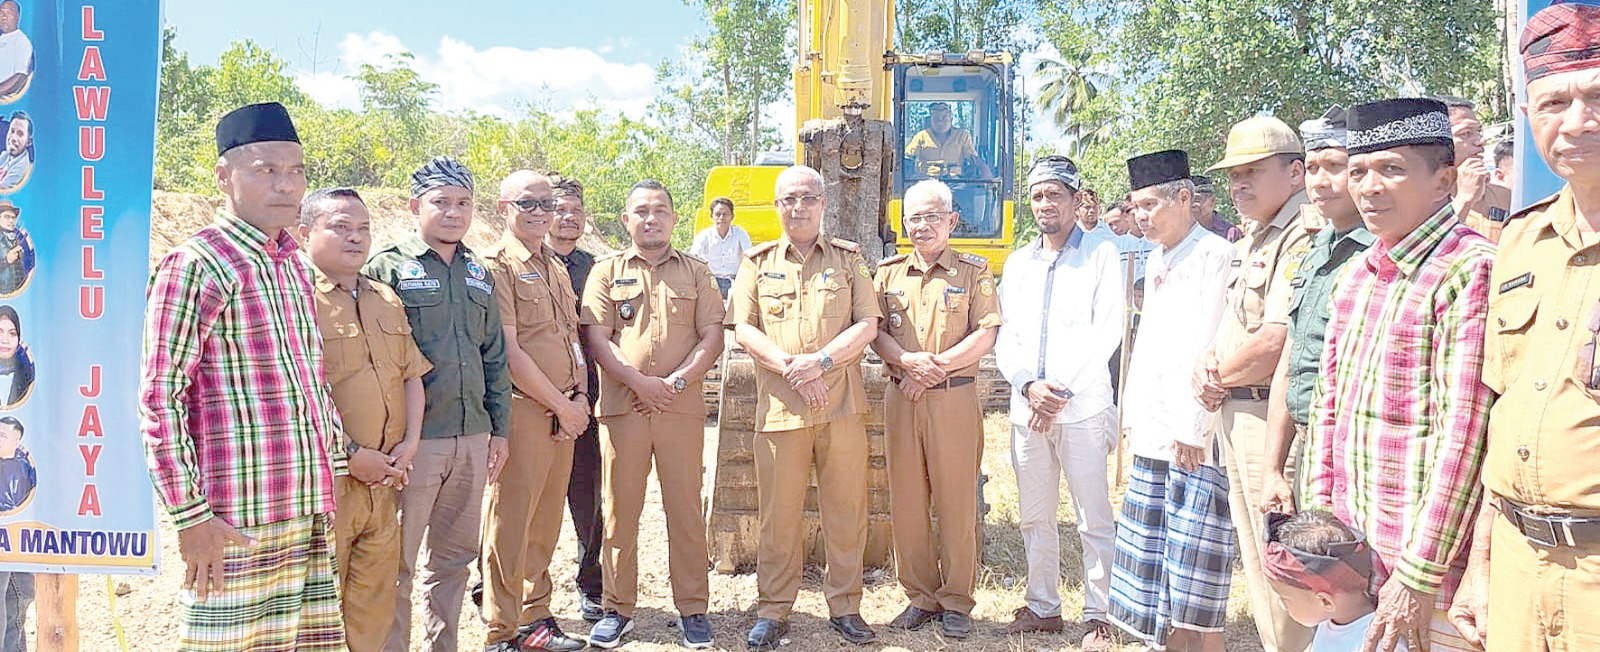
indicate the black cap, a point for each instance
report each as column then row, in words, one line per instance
column 1160, row 167
column 255, row 123
column 1388, row 124
column 1203, row 185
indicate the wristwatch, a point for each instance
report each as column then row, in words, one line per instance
column 350, row 447
column 827, row 362
column 678, row 383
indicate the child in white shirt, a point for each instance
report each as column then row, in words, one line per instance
column 1322, row 571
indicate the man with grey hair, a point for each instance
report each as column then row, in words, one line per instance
column 453, row 316
column 804, row 309
column 941, row 318
column 1174, row 549
column 374, row 370
column 1063, row 305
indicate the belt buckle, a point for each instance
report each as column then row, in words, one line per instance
column 1540, row 529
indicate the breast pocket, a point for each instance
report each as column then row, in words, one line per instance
column 343, row 351
column 894, row 310
column 835, row 299
column 1253, row 305
column 534, row 306
column 1407, row 348
column 396, row 336
column 626, row 303
column 680, row 305
column 955, row 309
column 777, row 301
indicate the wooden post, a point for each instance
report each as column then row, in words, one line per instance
column 1127, row 352
column 56, row 598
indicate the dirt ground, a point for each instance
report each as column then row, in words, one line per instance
column 146, row 610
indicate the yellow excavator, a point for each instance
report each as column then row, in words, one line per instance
column 873, row 121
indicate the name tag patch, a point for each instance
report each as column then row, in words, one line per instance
column 479, row 285
column 777, row 275
column 1526, row 280
column 418, row 284
column 530, row 276
column 625, row 281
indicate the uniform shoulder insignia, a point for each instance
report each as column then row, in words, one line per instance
column 892, row 260
column 845, row 245
column 760, row 249
column 1535, row 206
column 973, row 259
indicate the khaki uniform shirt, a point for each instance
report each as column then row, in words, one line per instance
column 535, row 295
column 933, row 307
column 1481, row 216
column 367, row 357
column 802, row 303
column 1539, row 355
column 1260, row 282
column 655, row 313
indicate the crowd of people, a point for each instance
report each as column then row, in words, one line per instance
column 1326, row 400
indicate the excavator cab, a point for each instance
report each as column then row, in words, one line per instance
column 954, row 122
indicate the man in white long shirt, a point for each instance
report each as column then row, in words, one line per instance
column 721, row 245
column 1062, row 309
column 1174, row 549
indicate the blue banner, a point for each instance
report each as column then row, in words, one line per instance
column 78, row 89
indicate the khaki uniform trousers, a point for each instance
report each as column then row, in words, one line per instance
column 1542, row 598
column 935, row 447
column 783, row 473
column 444, row 501
column 523, row 522
column 676, row 442
column 1244, row 441
column 366, row 530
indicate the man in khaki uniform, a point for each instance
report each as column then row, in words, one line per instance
column 804, row 309
column 1482, row 205
column 1536, row 545
column 652, row 317
column 1266, row 177
column 539, row 312
column 942, row 317
column 375, row 370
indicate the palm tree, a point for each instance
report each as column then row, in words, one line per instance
column 1065, row 92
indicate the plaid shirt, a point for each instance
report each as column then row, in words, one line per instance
column 1400, row 413
column 237, row 418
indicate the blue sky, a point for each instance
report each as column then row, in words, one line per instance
column 493, row 56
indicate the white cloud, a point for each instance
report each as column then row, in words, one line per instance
column 496, row 80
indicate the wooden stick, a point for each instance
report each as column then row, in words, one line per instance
column 56, row 597
column 1127, row 353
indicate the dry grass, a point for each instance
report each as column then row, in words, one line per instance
column 148, row 614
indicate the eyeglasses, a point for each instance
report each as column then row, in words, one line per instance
column 530, row 205
column 925, row 218
column 794, row 200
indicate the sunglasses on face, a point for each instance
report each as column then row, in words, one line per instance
column 794, row 200
column 530, row 205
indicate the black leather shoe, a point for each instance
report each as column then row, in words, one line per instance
column 956, row 625
column 853, row 629
column 913, row 619
column 547, row 636
column 591, row 608
column 766, row 634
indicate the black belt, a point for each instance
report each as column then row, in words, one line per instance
column 947, row 384
column 1551, row 531
column 1249, row 393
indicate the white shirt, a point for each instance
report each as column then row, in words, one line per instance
column 1183, row 301
column 722, row 254
column 1135, row 247
column 1061, row 326
column 1345, row 638
column 15, row 53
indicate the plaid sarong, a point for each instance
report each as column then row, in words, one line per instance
column 1174, row 555
column 282, row 595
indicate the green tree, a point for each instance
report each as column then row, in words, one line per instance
column 962, row 25
column 728, row 76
